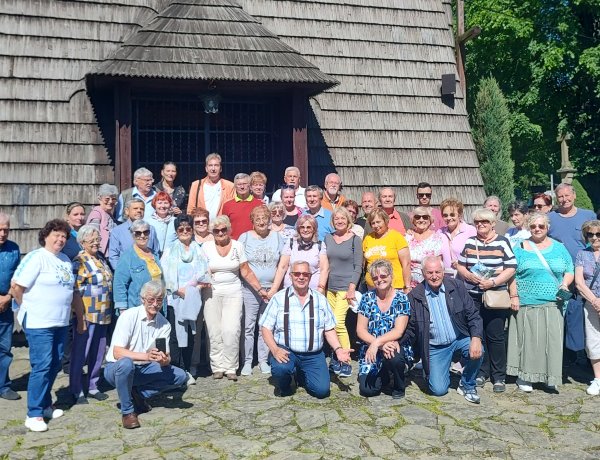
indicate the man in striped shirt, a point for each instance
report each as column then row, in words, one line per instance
column 294, row 326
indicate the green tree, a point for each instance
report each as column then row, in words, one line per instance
column 582, row 199
column 545, row 55
column 491, row 133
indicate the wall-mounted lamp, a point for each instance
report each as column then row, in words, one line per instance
column 211, row 102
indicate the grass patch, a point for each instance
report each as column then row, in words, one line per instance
column 545, row 427
column 390, row 431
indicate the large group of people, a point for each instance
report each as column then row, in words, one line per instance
column 131, row 285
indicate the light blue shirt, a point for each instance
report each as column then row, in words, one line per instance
column 148, row 210
column 323, row 218
column 441, row 329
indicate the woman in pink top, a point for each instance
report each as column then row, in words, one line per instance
column 424, row 242
column 456, row 232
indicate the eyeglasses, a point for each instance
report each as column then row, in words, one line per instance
column 593, row 234
column 424, row 195
column 381, row 276
column 184, row 229
column 540, row 226
column 146, row 179
column 261, row 219
column 538, row 206
column 92, row 241
column 421, row 217
column 449, row 215
column 305, row 227
column 481, row 222
column 301, row 274
column 139, row 234
column 153, row 300
column 201, row 222
column 220, row 231
column 108, row 199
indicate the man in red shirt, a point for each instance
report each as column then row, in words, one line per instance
column 238, row 209
column 399, row 221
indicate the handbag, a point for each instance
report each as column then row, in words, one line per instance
column 496, row 300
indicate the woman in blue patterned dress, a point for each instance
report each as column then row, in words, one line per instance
column 382, row 319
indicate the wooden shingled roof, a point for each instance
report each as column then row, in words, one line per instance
column 385, row 124
column 211, row 40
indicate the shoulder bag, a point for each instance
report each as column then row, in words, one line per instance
column 494, row 299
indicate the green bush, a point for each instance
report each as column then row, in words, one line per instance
column 583, row 200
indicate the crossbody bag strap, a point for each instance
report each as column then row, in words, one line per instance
column 311, row 307
column 596, row 273
column 542, row 260
column 286, row 318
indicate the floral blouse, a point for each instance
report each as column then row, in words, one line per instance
column 419, row 249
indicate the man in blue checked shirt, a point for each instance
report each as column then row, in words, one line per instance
column 294, row 326
column 443, row 319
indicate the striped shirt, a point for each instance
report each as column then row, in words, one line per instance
column 299, row 318
column 496, row 255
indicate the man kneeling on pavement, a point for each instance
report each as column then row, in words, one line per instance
column 443, row 319
column 135, row 364
column 294, row 325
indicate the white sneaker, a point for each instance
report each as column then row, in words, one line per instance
column 247, row 369
column 524, row 385
column 36, row 424
column 594, row 388
column 191, row 379
column 264, row 368
column 51, row 413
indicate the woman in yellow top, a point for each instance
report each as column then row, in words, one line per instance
column 386, row 243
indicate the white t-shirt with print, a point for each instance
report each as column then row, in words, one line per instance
column 212, row 198
column 48, row 281
column 225, row 271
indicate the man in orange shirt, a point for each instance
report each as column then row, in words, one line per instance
column 212, row 192
column 399, row 221
column 332, row 198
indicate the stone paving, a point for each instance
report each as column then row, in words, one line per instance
column 228, row 420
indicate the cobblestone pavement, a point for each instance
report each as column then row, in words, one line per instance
column 223, row 420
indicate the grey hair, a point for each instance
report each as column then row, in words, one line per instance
column 330, row 176
column 562, row 185
column 134, row 200
column 381, row 264
column 107, row 190
column 153, row 288
column 213, row 156
column 240, row 176
column 220, row 220
column 139, row 225
column 290, row 169
column 493, row 197
column 538, row 215
column 484, row 214
column 85, row 232
column 142, row 172
column 275, row 205
column 519, row 206
column 429, row 259
column 295, row 263
column 314, row 188
column 4, row 218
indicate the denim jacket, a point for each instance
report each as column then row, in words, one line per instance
column 9, row 261
column 131, row 274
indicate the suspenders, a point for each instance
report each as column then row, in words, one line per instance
column 286, row 321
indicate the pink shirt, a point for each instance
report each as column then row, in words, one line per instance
column 456, row 243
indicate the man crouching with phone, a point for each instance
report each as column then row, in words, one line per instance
column 138, row 360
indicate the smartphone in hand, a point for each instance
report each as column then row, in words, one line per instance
column 161, row 344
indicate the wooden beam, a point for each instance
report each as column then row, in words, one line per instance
column 300, row 134
column 460, row 47
column 123, row 174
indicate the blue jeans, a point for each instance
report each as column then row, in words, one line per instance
column 7, row 322
column 148, row 379
column 311, row 369
column 46, row 346
column 440, row 358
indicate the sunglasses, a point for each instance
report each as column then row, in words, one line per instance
column 424, row 195
column 201, row 222
column 380, row 277
column 277, row 212
column 481, row 222
column 421, row 217
column 540, row 226
column 593, row 234
column 220, row 231
column 301, row 274
column 288, row 186
column 186, row 229
column 139, row 234
column 538, row 206
column 306, row 227
column 449, row 215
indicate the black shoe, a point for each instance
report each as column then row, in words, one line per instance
column 10, row 394
column 81, row 400
column 397, row 394
column 140, row 404
column 98, row 396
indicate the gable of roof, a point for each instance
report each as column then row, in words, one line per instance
column 210, row 40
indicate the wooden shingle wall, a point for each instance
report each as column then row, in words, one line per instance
column 385, row 124
column 51, row 150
